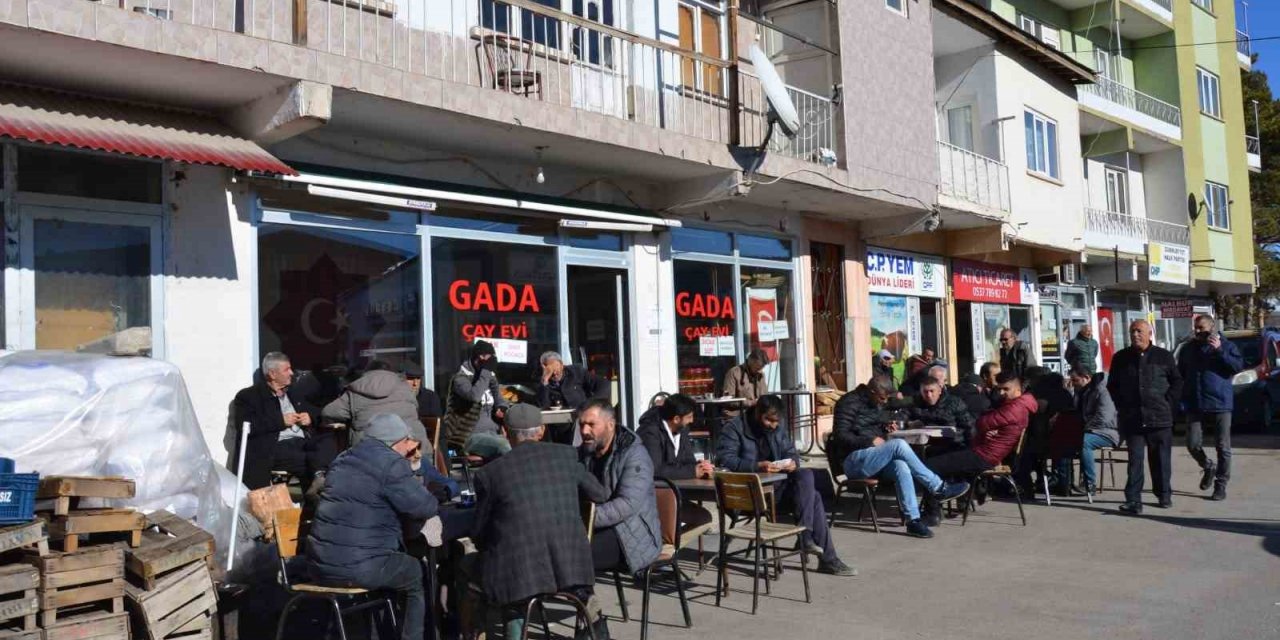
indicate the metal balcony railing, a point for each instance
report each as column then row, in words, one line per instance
column 1167, row 5
column 972, row 177
column 1126, row 96
column 1122, row 226
column 1243, row 45
column 1168, row 232
column 1253, row 145
column 818, row 119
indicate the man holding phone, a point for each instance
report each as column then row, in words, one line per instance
column 1207, row 364
column 476, row 406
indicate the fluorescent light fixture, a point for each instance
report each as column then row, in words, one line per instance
column 371, row 198
column 593, row 225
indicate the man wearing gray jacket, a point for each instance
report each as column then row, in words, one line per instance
column 1098, row 413
column 378, row 390
column 627, row 532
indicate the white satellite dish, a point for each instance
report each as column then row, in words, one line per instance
column 781, row 110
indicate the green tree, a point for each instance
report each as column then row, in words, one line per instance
column 1264, row 194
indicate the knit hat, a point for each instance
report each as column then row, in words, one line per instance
column 387, row 428
column 522, row 417
column 482, row 348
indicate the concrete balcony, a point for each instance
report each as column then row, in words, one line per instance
column 1244, row 50
column 972, row 182
column 1253, row 151
column 1130, row 106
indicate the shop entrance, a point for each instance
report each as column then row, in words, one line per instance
column 598, row 327
column 978, row 327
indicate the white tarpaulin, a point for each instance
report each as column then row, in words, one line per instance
column 79, row 414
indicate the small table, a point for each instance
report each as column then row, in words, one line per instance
column 923, row 435
column 557, row 416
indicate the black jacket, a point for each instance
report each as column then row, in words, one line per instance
column 975, row 400
column 1146, row 387
column 529, row 526
column 950, row 411
column 857, row 423
column 666, row 462
column 258, row 406
column 1017, row 359
column 576, row 387
column 742, row 445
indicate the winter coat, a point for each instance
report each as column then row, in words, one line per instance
column 376, row 392
column 667, row 463
column 1146, row 387
column 1097, row 411
column 529, row 527
column 466, row 412
column 975, row 399
column 1082, row 350
column 950, row 411
column 856, row 425
column 576, row 387
column 1206, row 376
column 1017, row 359
column 739, row 383
column 997, row 432
column 743, row 445
column 632, row 507
column 260, row 407
column 368, row 490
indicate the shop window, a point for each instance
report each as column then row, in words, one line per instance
column 506, row 294
column 594, row 240
column 334, row 300
column 903, row 326
column 706, row 322
column 686, row 240
column 87, row 175
column 768, row 319
column 484, row 220
column 764, row 247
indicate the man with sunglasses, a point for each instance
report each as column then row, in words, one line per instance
column 1016, row 356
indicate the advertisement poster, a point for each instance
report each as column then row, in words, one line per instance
column 995, row 318
column 892, row 325
column 903, row 273
column 1169, row 263
column 1106, row 336
column 984, row 282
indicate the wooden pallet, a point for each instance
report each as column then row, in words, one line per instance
column 200, row 628
column 72, row 582
column 65, row 491
column 18, row 601
column 36, row 634
column 20, row 536
column 178, row 603
column 71, row 527
column 90, row 626
column 174, row 544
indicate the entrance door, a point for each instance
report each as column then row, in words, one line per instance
column 598, row 332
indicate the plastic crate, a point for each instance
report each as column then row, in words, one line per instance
column 18, row 497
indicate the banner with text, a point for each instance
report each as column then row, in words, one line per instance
column 903, row 273
column 985, row 282
column 1169, row 263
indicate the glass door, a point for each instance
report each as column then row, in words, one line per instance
column 598, row 330
column 87, row 276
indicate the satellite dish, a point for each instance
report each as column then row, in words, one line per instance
column 1193, row 207
column 781, row 110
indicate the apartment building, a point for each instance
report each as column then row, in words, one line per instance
column 368, row 179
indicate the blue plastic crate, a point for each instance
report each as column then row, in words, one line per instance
column 18, row 497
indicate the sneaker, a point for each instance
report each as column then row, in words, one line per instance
column 1219, row 491
column 932, row 514
column 1131, row 508
column 951, row 490
column 810, row 547
column 600, row 627
column 1206, row 478
column 836, row 567
column 1090, row 489
column 918, row 529
column 1165, row 503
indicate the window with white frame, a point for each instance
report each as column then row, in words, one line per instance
column 1107, row 64
column 588, row 45
column 897, row 6
column 1117, row 190
column 1207, row 5
column 1218, row 205
column 1043, row 32
column 701, row 31
column 1042, row 144
column 1210, row 102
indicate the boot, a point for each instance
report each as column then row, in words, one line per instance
column 600, row 628
column 1206, row 479
column 1219, row 491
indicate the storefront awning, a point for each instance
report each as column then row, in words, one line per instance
column 51, row 117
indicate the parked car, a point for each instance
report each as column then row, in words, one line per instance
column 1254, row 412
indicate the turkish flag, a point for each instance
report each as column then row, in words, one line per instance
column 1106, row 337
column 762, row 310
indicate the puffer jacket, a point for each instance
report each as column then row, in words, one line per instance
column 466, row 411
column 742, row 445
column 950, row 411
column 999, row 429
column 857, row 423
column 368, row 491
column 632, row 508
column 1146, row 387
column 1097, row 410
column 1206, row 376
column 376, row 392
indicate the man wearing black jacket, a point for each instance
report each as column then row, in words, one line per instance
column 1146, row 385
column 664, row 431
column 281, row 426
column 567, row 386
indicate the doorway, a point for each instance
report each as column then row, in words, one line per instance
column 598, row 328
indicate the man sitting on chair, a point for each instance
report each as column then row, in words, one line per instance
column 754, row 442
column 995, row 436
column 664, row 430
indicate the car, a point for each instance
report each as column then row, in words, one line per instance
column 1254, row 411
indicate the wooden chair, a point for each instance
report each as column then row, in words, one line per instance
column 669, row 500
column 743, row 494
column 286, row 523
column 432, row 426
column 1001, row 471
column 866, row 486
column 510, row 61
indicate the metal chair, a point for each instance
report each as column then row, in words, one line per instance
column 743, row 494
column 866, row 486
column 1001, row 471
column 286, row 523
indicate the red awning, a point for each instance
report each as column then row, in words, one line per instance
column 51, row 117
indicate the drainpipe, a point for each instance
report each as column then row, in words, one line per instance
column 735, row 117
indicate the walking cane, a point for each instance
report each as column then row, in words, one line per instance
column 235, row 510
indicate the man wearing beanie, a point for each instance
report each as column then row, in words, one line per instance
column 476, row 405
column 356, row 538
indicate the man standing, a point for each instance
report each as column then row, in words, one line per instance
column 861, row 443
column 1207, row 364
column 1083, row 350
column 919, row 362
column 529, row 528
column 280, row 424
column 627, row 531
column 356, row 538
column 567, row 386
column 476, row 405
column 754, row 443
column 1145, row 384
column 746, row 380
column 1098, row 413
column 1016, row 356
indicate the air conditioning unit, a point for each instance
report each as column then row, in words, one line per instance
column 1067, row 273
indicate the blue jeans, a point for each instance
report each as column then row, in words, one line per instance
column 1088, row 467
column 896, row 460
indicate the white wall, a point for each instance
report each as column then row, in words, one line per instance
column 1096, row 181
column 1166, row 186
column 969, row 78
column 209, row 294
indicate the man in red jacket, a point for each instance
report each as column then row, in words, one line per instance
column 996, row 433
